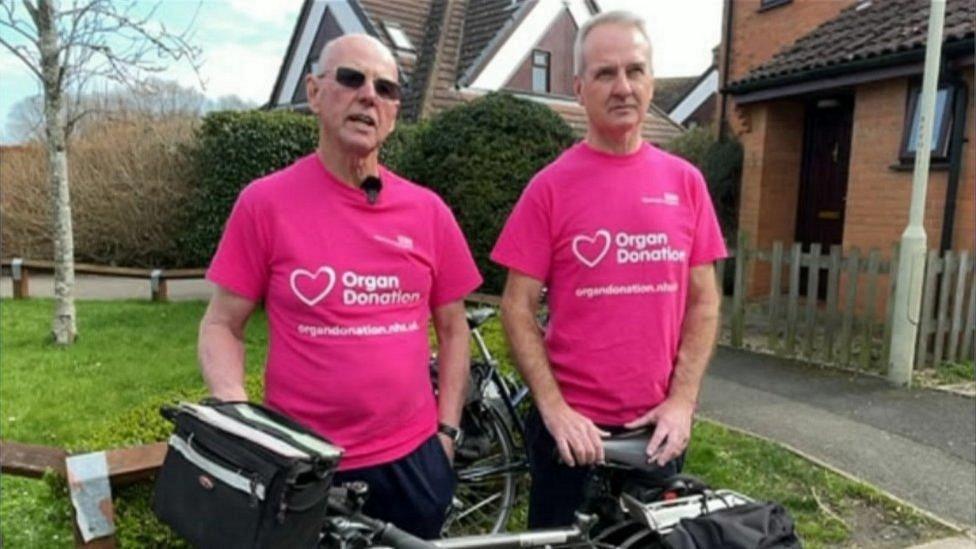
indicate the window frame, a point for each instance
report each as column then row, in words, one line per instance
column 395, row 33
column 547, row 67
column 940, row 152
column 770, row 4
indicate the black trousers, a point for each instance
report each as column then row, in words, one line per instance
column 558, row 489
column 413, row 492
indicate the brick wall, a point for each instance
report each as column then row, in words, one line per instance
column 878, row 197
column 770, row 178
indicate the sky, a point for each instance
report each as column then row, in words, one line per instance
column 243, row 43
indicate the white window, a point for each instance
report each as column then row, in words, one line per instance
column 399, row 38
column 540, row 71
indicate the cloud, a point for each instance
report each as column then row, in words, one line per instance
column 278, row 12
column 248, row 71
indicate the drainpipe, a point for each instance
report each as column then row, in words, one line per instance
column 960, row 104
column 722, row 123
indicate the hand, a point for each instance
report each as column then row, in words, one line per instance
column 448, row 445
column 577, row 438
column 672, row 429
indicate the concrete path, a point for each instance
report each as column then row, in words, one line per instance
column 949, row 543
column 106, row 287
column 919, row 445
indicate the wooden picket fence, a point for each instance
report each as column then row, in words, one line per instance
column 851, row 325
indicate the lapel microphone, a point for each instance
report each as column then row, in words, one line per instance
column 372, row 187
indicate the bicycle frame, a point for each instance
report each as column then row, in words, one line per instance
column 510, row 401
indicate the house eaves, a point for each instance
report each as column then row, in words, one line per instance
column 867, row 36
column 855, row 72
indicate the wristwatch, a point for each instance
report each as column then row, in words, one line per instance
column 453, row 433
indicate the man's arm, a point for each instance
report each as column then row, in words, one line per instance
column 453, row 355
column 577, row 438
column 672, row 418
column 220, row 347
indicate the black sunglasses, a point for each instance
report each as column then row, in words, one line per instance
column 353, row 79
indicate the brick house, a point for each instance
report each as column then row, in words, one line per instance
column 451, row 51
column 823, row 96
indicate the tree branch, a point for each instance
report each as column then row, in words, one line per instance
column 27, row 61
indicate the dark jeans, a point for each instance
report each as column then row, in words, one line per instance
column 412, row 492
column 557, row 489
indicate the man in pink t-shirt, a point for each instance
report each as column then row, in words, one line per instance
column 351, row 262
column 624, row 236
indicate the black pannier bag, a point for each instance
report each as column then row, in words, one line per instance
column 237, row 474
column 750, row 526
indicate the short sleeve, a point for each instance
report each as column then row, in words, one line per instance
column 455, row 272
column 241, row 264
column 707, row 245
column 525, row 243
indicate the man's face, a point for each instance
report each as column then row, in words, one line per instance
column 616, row 84
column 355, row 118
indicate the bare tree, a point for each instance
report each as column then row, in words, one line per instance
column 66, row 47
column 230, row 102
column 153, row 98
column 26, row 119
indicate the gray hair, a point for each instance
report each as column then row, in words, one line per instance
column 617, row 17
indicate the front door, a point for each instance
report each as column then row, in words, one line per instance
column 823, row 178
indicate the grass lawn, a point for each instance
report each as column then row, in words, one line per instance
column 133, row 356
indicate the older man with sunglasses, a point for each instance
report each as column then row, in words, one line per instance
column 351, row 262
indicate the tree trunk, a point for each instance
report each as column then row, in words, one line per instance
column 63, row 326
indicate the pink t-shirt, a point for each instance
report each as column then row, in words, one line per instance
column 348, row 288
column 613, row 237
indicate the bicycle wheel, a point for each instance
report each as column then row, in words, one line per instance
column 487, row 469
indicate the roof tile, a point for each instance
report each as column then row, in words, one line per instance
column 865, row 30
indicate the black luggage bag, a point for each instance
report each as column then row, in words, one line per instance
column 237, row 474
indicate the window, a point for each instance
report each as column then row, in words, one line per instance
column 770, row 4
column 942, row 124
column 399, row 38
column 540, row 71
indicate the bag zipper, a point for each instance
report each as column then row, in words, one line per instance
column 249, row 484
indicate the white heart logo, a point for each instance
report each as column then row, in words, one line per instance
column 588, row 250
column 314, row 282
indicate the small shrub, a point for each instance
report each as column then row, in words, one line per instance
column 692, row 145
column 232, row 149
column 128, row 181
column 721, row 165
column 478, row 157
column 722, row 169
column 397, row 144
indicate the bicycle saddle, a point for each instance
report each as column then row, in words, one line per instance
column 477, row 317
column 628, row 448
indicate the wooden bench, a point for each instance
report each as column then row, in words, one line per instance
column 125, row 466
column 20, row 270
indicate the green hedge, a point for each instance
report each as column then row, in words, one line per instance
column 233, row 149
column 479, row 156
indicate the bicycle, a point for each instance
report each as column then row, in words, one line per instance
column 490, row 458
column 624, row 508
